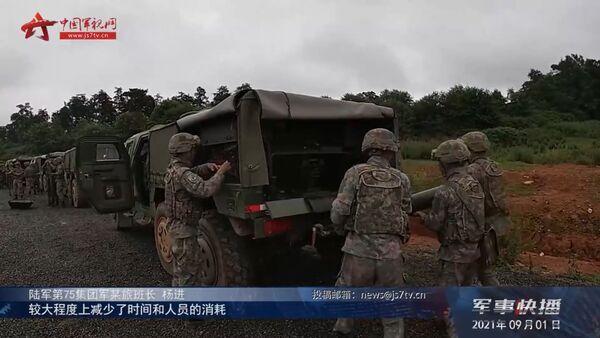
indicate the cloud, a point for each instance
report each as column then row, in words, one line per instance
column 312, row 47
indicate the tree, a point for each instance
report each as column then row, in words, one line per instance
column 138, row 100
column 201, row 98
column 130, row 123
column 243, row 86
column 102, row 107
column 184, row 98
column 170, row 110
column 221, row 94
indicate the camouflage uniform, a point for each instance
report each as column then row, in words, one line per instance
column 30, row 176
column 457, row 216
column 184, row 186
column 49, row 169
column 18, row 183
column 489, row 174
column 59, row 182
column 372, row 206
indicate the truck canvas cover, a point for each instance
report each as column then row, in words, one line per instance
column 277, row 105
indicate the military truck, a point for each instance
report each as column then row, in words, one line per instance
column 73, row 191
column 288, row 152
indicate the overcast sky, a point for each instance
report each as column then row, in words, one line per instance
column 315, row 47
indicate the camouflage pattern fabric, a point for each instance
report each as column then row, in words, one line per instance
column 372, row 249
column 59, row 183
column 489, row 175
column 380, row 138
column 51, row 192
column 455, row 219
column 385, row 243
column 184, row 186
column 186, row 255
column 359, row 271
column 452, row 275
column 18, row 181
column 30, row 176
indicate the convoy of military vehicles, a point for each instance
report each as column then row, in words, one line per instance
column 289, row 153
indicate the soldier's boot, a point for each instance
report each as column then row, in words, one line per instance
column 393, row 327
column 343, row 326
column 488, row 277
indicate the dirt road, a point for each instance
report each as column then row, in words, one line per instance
column 76, row 247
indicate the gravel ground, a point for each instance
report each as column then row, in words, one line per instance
column 76, row 247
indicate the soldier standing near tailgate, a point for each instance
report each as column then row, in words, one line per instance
column 59, row 181
column 372, row 206
column 489, row 174
column 48, row 168
column 184, row 185
column 18, row 180
column 457, row 215
column 30, row 176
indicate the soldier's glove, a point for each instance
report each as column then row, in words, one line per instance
column 322, row 230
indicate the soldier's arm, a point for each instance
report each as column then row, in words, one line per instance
column 436, row 218
column 195, row 185
column 406, row 198
column 204, row 170
column 341, row 206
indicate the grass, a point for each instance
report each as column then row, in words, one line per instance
column 520, row 189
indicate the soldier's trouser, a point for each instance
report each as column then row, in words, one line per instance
column 60, row 192
column 28, row 187
column 18, row 187
column 456, row 274
column 51, row 192
column 186, row 261
column 358, row 271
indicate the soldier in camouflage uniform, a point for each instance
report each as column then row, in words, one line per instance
column 30, row 176
column 184, row 186
column 457, row 215
column 48, row 169
column 59, row 181
column 18, row 181
column 489, row 174
column 371, row 207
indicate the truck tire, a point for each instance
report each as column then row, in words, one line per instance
column 224, row 256
column 162, row 240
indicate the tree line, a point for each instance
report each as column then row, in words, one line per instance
column 568, row 92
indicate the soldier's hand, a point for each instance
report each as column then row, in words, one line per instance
column 420, row 214
column 223, row 168
column 212, row 166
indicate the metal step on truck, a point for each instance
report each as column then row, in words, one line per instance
column 288, row 152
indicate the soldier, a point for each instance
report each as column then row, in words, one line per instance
column 184, row 185
column 30, row 176
column 59, row 181
column 372, row 206
column 457, row 215
column 48, row 169
column 18, row 180
column 489, row 175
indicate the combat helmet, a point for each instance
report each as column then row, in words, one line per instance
column 452, row 151
column 182, row 143
column 476, row 141
column 380, row 138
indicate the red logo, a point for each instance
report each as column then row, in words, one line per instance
column 37, row 21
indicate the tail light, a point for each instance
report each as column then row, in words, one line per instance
column 255, row 208
column 277, row 226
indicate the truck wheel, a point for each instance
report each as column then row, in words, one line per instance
column 162, row 240
column 224, row 257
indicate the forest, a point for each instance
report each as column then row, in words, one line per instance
column 554, row 117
